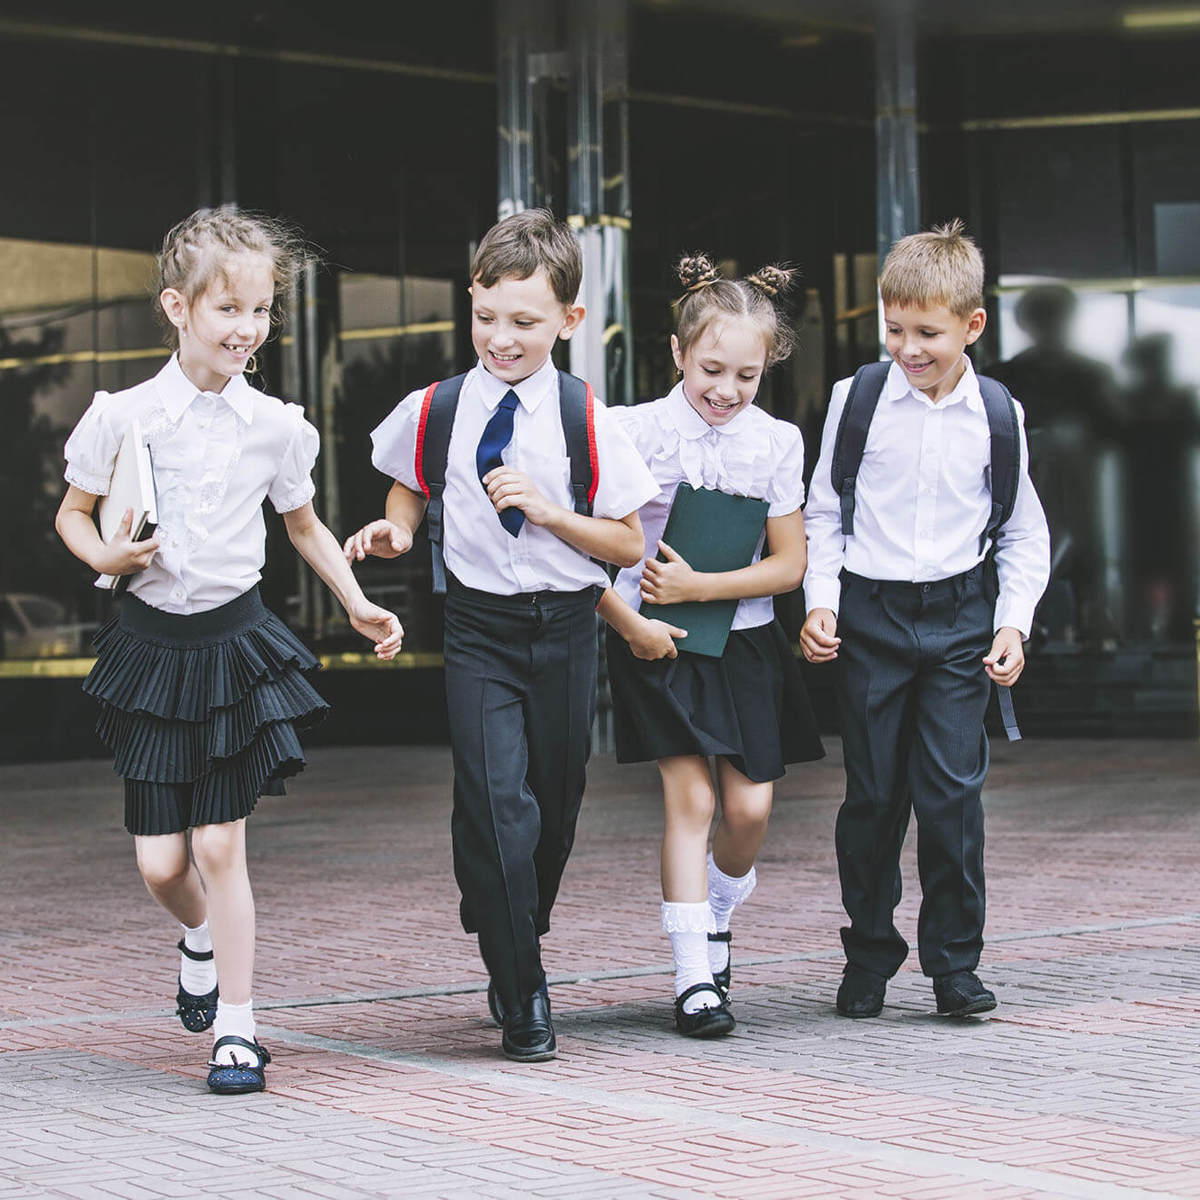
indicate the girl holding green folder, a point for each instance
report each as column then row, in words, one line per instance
column 745, row 704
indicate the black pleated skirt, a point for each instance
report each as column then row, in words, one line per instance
column 749, row 706
column 201, row 710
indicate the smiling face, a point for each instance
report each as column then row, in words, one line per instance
column 222, row 327
column 722, row 368
column 515, row 322
column 928, row 344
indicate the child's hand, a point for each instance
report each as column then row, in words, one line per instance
column 651, row 639
column 670, row 582
column 381, row 626
column 125, row 557
column 509, row 488
column 818, row 638
column 1006, row 659
column 380, row 538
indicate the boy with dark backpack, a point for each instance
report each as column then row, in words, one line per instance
column 927, row 553
column 529, row 485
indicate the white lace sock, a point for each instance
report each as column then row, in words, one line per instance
column 688, row 926
column 197, row 978
column 725, row 893
column 238, row 1020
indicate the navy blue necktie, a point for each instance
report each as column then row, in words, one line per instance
column 497, row 433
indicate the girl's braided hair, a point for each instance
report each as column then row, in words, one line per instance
column 708, row 296
column 198, row 249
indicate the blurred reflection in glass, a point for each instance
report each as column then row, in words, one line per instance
column 1074, row 426
column 1161, row 448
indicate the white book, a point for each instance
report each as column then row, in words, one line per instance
column 131, row 487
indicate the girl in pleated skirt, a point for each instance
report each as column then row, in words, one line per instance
column 748, row 710
column 201, row 688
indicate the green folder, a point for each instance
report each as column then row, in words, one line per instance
column 713, row 532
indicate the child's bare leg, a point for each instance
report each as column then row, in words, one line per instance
column 689, row 802
column 170, row 876
column 745, row 809
column 220, row 852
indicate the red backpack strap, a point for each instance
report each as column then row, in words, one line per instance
column 577, row 409
column 422, row 423
column 593, row 453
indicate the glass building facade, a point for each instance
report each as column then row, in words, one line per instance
column 1067, row 136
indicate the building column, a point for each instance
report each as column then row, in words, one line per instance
column 598, row 198
column 897, row 178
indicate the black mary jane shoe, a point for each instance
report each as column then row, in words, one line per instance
column 495, row 1007
column 234, row 1078
column 724, row 977
column 710, row 1022
column 528, row 1031
column 195, row 1013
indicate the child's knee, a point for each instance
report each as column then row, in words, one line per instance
column 162, row 861
column 218, row 847
column 692, row 803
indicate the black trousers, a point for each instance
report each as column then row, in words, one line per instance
column 521, row 692
column 912, row 694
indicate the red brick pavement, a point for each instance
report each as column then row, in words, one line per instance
column 387, row 1078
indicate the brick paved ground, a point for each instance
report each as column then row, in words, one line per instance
column 387, row 1079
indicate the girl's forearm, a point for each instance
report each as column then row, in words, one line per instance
column 768, row 577
column 317, row 546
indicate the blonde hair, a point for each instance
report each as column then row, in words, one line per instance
column 942, row 267
column 517, row 246
column 197, row 251
column 708, row 297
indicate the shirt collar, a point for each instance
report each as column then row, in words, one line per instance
column 690, row 423
column 178, row 391
column 966, row 390
column 531, row 391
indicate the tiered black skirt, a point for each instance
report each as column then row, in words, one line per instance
column 749, row 706
column 201, row 710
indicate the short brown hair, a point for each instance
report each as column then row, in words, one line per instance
column 709, row 297
column 940, row 267
column 517, row 246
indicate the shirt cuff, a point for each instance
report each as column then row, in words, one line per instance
column 1012, row 613
column 822, row 593
column 94, row 485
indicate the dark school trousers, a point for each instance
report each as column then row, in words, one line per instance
column 912, row 694
column 521, row 694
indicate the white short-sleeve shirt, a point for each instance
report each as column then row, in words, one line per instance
column 216, row 457
column 478, row 550
column 754, row 454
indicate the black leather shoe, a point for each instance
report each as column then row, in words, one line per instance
column 861, row 992
column 528, row 1031
column 960, row 994
column 724, row 977
column 495, row 1007
column 713, row 1021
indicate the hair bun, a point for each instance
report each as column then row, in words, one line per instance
column 772, row 279
column 696, row 271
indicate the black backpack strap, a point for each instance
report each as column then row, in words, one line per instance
column 433, row 445
column 1006, row 455
column 577, row 406
column 852, row 435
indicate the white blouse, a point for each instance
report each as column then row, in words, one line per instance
column 754, row 454
column 479, row 553
column 216, row 456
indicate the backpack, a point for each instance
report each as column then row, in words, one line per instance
column 852, row 439
column 577, row 408
column 1005, row 467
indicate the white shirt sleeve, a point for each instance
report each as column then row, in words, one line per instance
column 785, row 489
column 293, row 486
column 91, row 450
column 1022, row 550
column 823, row 517
column 394, row 441
column 625, row 482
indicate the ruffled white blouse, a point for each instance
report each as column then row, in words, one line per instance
column 216, row 457
column 754, row 454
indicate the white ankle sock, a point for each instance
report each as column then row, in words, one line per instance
column 725, row 893
column 688, row 926
column 197, row 978
column 238, row 1020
